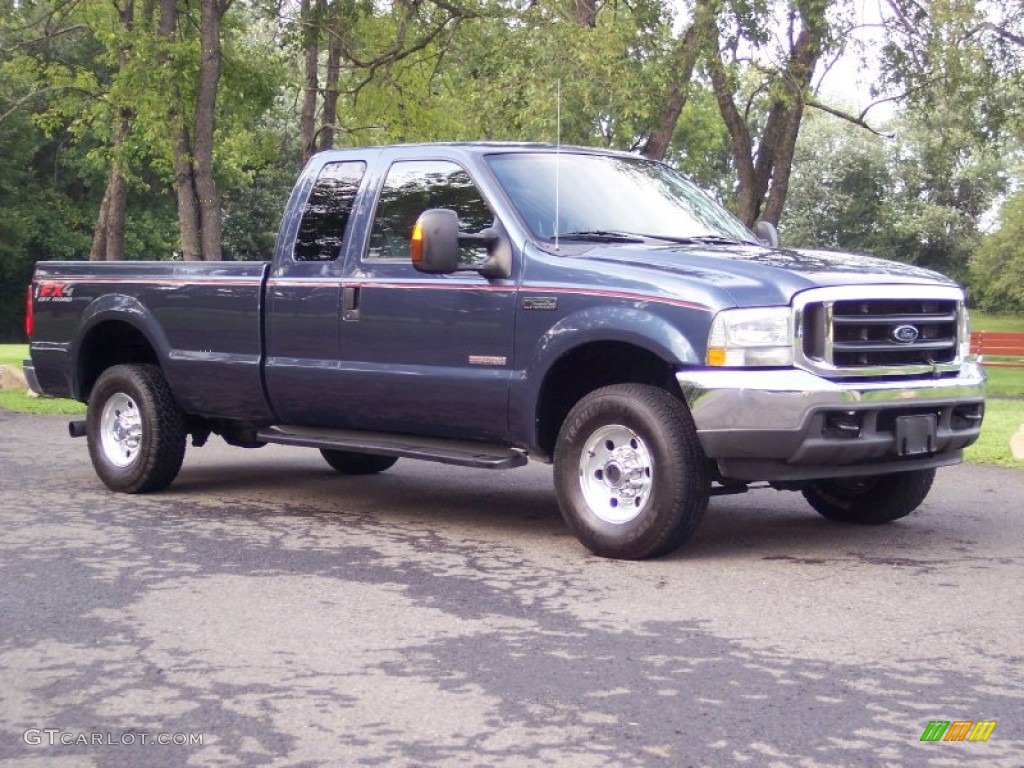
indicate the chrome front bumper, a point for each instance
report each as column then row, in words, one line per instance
column 778, row 424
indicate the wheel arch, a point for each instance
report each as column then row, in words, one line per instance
column 590, row 366
column 597, row 347
column 115, row 330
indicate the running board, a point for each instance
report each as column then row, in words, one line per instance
column 460, row 453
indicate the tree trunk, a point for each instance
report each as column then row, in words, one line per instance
column 98, row 251
column 185, row 191
column 184, row 181
column 330, row 117
column 108, row 234
column 212, row 13
column 307, row 119
column 740, row 143
column 764, row 179
column 585, row 12
column 684, row 59
column 117, row 190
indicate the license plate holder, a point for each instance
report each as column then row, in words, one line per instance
column 916, row 435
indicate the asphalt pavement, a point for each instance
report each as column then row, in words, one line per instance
column 267, row 611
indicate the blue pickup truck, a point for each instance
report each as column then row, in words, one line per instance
column 484, row 304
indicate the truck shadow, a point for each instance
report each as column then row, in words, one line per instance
column 758, row 524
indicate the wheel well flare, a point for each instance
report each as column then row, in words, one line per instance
column 110, row 343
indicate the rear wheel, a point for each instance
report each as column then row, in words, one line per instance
column 870, row 500
column 351, row 463
column 135, row 429
column 630, row 476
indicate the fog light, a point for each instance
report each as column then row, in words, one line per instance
column 967, row 416
column 843, row 424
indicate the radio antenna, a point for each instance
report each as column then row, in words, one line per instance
column 558, row 154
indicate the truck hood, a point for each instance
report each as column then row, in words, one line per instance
column 757, row 276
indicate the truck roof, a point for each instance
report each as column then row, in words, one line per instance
column 476, row 148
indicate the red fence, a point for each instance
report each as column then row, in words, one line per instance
column 990, row 343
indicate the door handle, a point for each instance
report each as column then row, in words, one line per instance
column 350, row 303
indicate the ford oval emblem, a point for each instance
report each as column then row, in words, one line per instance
column 905, row 334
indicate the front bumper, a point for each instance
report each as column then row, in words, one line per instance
column 779, row 425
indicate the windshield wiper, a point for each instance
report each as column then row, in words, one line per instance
column 602, row 236
column 698, row 239
column 618, row 236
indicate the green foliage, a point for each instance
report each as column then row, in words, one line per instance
column 497, row 76
column 837, row 194
column 997, row 270
column 494, row 69
column 918, row 197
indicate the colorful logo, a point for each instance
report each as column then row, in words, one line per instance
column 958, row 730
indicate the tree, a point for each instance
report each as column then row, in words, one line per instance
column 839, row 189
column 686, row 50
column 997, row 269
column 762, row 106
column 108, row 234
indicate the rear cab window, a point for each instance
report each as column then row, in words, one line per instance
column 325, row 216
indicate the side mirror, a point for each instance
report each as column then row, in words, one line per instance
column 766, row 232
column 435, row 242
column 435, row 246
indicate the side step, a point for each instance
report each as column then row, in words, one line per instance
column 463, row 454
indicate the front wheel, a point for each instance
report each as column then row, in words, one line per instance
column 630, row 475
column 135, row 429
column 870, row 500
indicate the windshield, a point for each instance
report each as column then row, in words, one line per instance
column 608, row 197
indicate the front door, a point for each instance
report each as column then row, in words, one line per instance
column 426, row 354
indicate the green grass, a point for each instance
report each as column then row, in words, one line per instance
column 13, row 354
column 15, row 400
column 985, row 321
column 1004, row 382
column 1002, row 419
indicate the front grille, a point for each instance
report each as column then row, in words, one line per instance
column 867, row 333
column 888, row 335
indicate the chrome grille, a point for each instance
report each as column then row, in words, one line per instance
column 879, row 330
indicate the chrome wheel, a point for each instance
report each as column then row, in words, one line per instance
column 120, row 430
column 616, row 471
column 631, row 478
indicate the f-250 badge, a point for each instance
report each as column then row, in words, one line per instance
column 540, row 302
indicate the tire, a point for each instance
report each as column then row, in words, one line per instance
column 630, row 476
column 135, row 429
column 351, row 463
column 870, row 500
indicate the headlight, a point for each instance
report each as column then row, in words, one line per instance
column 760, row 336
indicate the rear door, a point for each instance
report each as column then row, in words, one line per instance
column 303, row 367
column 426, row 354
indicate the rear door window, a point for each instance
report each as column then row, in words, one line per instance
column 326, row 213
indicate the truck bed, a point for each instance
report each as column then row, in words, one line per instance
column 204, row 318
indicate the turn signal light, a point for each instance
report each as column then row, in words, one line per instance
column 416, row 245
